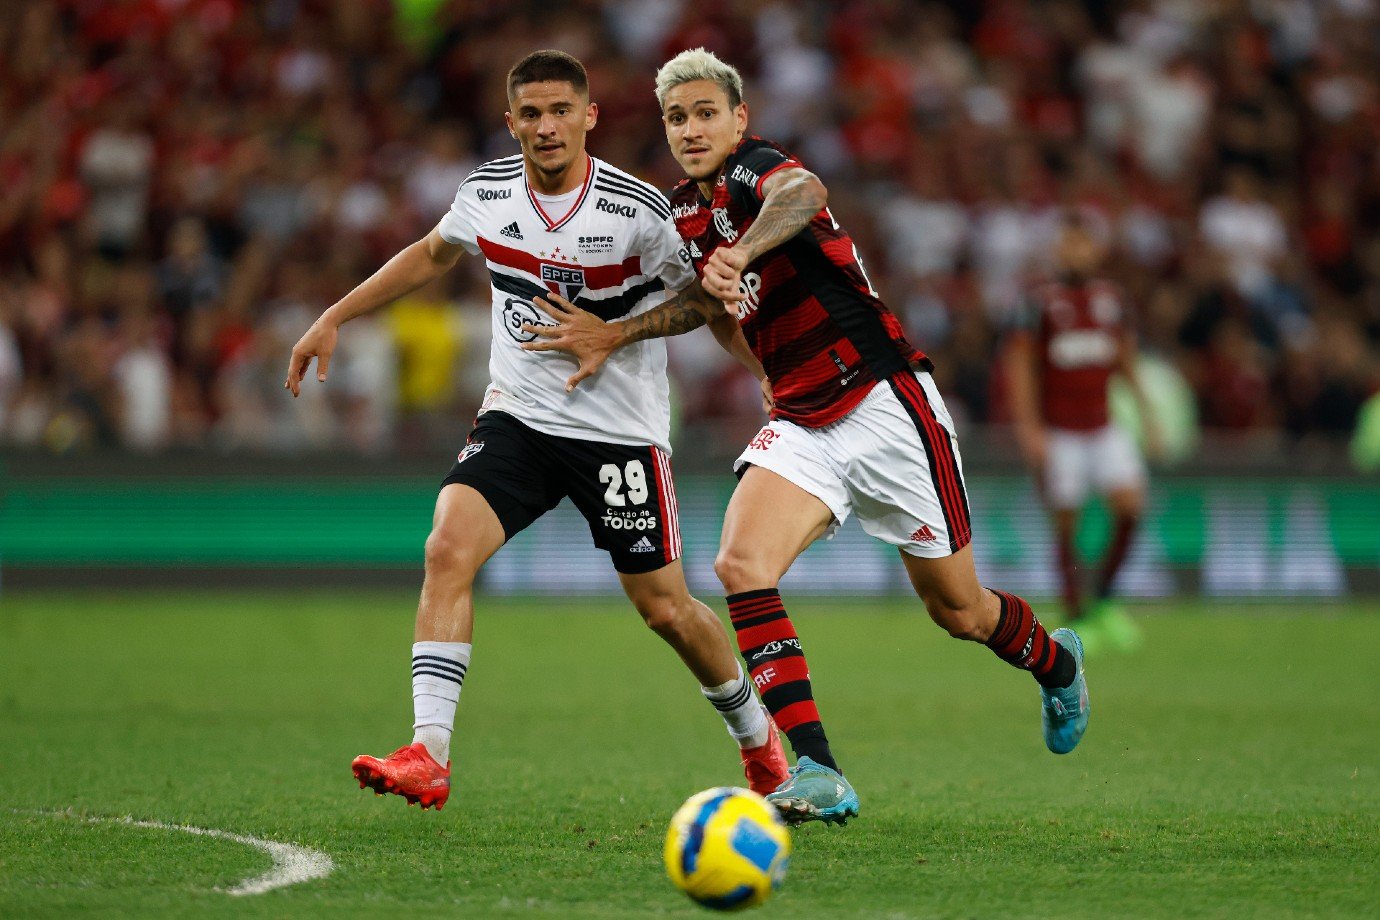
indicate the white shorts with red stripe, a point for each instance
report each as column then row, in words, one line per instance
column 1081, row 462
column 893, row 461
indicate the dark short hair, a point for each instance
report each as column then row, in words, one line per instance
column 541, row 66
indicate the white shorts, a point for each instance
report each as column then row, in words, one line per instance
column 893, row 460
column 1079, row 462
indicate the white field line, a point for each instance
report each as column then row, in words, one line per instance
column 291, row 863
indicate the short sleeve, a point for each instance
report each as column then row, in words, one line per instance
column 752, row 168
column 664, row 255
column 458, row 224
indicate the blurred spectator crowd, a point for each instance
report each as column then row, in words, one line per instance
column 186, row 184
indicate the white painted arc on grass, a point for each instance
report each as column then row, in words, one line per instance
column 291, row 863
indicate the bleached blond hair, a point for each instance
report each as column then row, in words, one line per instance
column 698, row 64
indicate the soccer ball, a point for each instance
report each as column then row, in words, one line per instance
column 727, row 848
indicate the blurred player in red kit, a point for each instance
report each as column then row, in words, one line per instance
column 1075, row 335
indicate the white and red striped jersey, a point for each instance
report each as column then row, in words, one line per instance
column 611, row 248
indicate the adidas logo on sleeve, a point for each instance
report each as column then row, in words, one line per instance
column 642, row 546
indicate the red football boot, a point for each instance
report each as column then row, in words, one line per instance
column 766, row 767
column 409, row 772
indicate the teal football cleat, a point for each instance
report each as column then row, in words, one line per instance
column 813, row 792
column 1065, row 711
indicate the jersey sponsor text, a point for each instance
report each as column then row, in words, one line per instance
column 612, row 207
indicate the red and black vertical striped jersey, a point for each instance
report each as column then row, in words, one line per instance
column 811, row 316
column 1077, row 329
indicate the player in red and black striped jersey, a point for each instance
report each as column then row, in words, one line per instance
column 1076, row 333
column 857, row 426
column 809, row 311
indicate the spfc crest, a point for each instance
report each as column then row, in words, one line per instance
column 563, row 280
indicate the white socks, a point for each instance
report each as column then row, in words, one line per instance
column 438, row 672
column 746, row 720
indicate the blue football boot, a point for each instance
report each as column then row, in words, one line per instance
column 813, row 792
column 1065, row 710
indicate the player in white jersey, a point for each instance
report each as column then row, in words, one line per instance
column 553, row 219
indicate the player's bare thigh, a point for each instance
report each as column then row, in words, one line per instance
column 769, row 522
column 952, row 594
column 465, row 532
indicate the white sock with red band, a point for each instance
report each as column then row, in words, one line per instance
column 438, row 673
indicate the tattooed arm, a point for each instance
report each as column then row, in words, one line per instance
column 793, row 196
column 686, row 310
column 591, row 340
column 690, row 309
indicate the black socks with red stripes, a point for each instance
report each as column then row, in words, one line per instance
column 1022, row 642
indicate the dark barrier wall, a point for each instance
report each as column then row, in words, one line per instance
column 1219, row 536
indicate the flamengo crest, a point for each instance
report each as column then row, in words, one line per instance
column 724, row 224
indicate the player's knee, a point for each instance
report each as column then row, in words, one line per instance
column 664, row 614
column 961, row 618
column 446, row 555
column 739, row 572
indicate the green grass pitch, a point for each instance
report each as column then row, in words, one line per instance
column 1232, row 769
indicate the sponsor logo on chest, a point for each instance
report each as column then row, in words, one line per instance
column 495, row 194
column 751, row 286
column 1082, row 348
column 613, row 207
column 595, row 244
column 516, row 313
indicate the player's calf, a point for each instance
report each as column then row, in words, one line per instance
column 698, row 636
column 969, row 623
column 1008, row 626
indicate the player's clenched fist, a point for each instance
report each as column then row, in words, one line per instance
column 318, row 342
column 723, row 274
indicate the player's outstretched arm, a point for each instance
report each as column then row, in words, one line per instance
column 591, row 340
column 791, row 199
column 417, row 265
